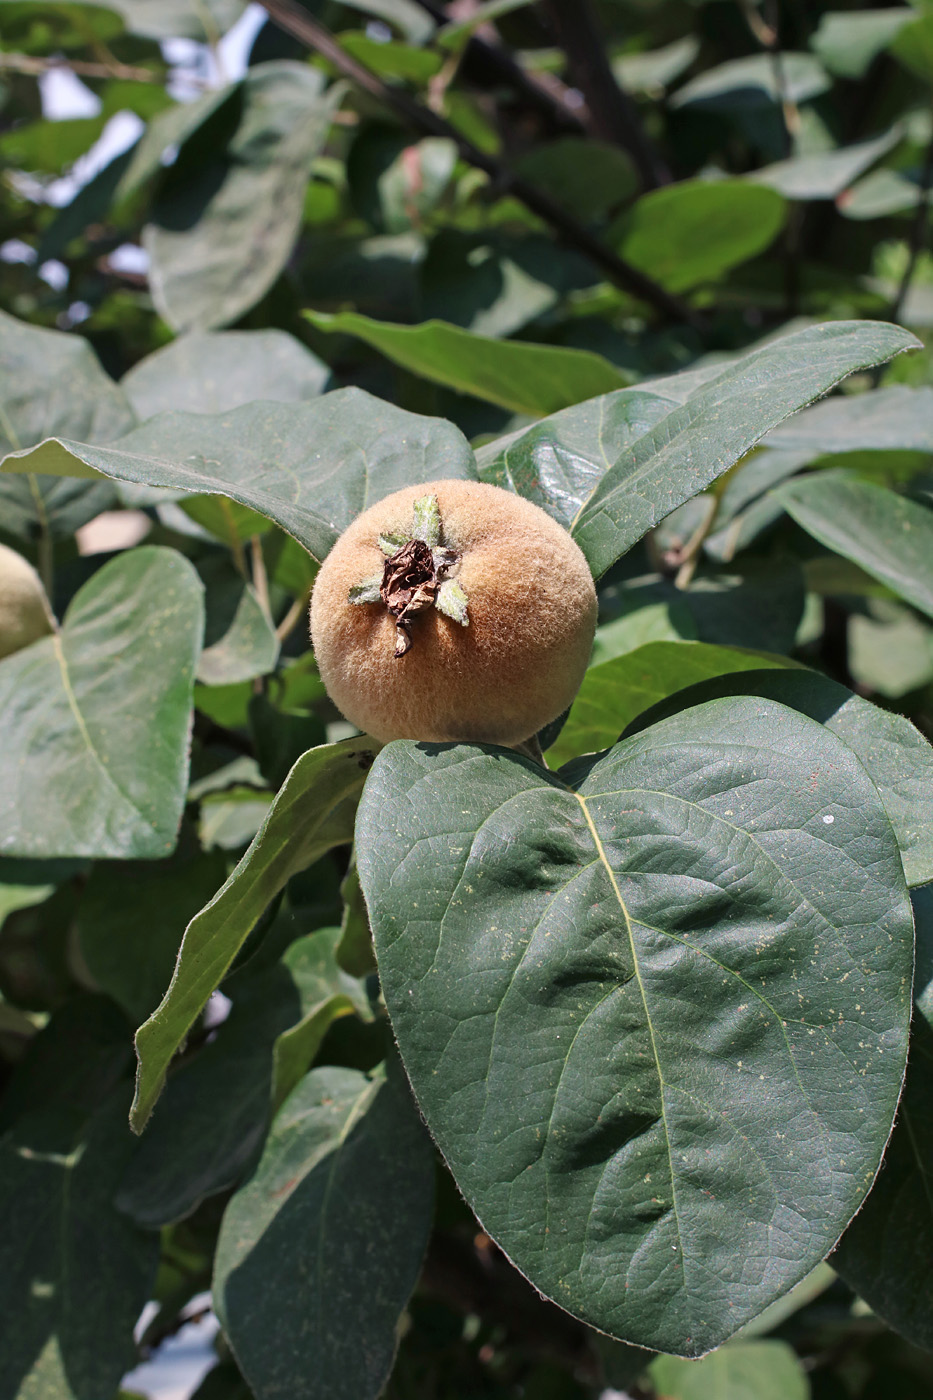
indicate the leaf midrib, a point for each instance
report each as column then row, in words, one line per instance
column 83, row 730
column 650, row 1024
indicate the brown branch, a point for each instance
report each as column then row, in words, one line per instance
column 297, row 22
column 488, row 63
column 614, row 116
column 25, row 63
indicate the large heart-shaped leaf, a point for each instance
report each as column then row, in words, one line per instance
column 654, row 1008
column 890, row 537
column 319, row 1252
column 895, row 755
column 310, row 467
column 307, row 818
column 230, row 207
column 612, row 468
column 885, row 1253
column 94, row 760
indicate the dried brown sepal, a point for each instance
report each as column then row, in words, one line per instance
column 409, row 586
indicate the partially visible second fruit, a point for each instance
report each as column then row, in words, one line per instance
column 24, row 611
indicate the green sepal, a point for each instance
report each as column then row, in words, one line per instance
column 452, row 602
column 426, row 521
column 391, row 544
column 367, row 591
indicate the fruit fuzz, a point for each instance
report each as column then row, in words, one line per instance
column 24, row 611
column 453, row 611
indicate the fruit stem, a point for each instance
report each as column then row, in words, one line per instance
column 531, row 748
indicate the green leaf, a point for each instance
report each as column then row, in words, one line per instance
column 693, row 232
column 215, row 371
column 191, row 19
column 613, row 693
column 229, row 820
column 327, row 992
column 742, row 1371
column 209, row 1127
column 825, row 174
column 50, row 146
column 239, row 639
column 759, row 608
column 913, row 45
column 405, row 16
column 885, row 1253
column 640, row 624
column 493, row 284
column 304, row 821
column 587, row 177
column 390, row 59
column 895, row 755
column 816, row 1282
column 226, row 520
column 414, row 185
column 228, row 211
column 897, row 417
column 517, row 375
column 60, row 1162
column 311, row 467
column 354, row 952
column 652, row 71
column 319, row 1252
column 887, row 535
column 881, row 193
column 167, row 132
column 611, row 469
column 131, row 919
column 657, row 1003
column 31, row 505
column 97, row 717
column 890, row 647
column 755, row 82
column 53, row 383
column 847, row 41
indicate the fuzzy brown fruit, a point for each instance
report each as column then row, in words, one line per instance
column 24, row 610
column 504, row 657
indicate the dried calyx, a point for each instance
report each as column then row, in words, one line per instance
column 417, row 575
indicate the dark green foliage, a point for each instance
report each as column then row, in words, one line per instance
column 460, row 1075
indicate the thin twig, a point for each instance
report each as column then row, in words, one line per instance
column 294, row 615
column 917, row 233
column 26, row 63
column 260, row 578
column 297, row 22
column 614, row 116
column 690, row 555
column 484, row 57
